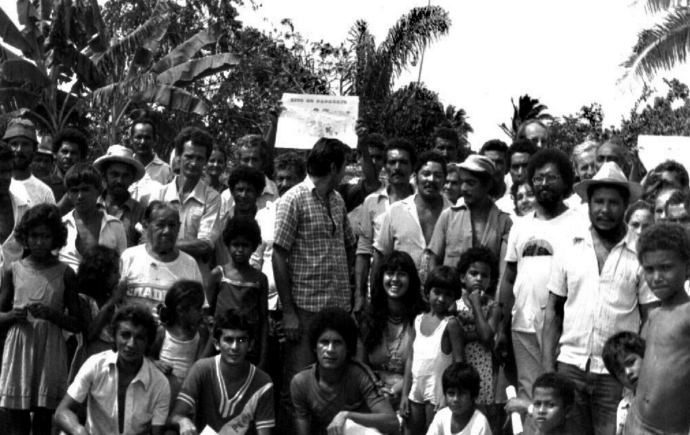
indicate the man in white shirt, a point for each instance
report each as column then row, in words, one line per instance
column 143, row 138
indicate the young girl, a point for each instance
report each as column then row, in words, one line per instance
column 437, row 342
column 183, row 335
column 34, row 294
column 238, row 286
column 479, row 316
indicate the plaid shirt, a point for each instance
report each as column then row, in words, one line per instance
column 316, row 242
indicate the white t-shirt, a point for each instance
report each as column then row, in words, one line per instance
column 478, row 424
column 148, row 280
column 532, row 243
column 37, row 191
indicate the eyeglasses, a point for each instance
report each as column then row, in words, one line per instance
column 545, row 179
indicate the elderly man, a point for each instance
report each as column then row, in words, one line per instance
column 120, row 169
column 535, row 131
column 596, row 289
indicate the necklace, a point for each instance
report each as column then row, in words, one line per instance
column 395, row 363
column 396, row 320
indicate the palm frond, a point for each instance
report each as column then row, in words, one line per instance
column 661, row 47
column 363, row 49
column 654, row 6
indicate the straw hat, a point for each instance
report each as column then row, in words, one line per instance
column 478, row 163
column 120, row 154
column 609, row 174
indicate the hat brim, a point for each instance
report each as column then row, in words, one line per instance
column 139, row 170
column 634, row 188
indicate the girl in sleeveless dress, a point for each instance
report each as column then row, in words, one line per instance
column 34, row 294
column 240, row 287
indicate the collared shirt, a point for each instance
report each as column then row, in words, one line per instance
column 146, row 402
column 55, row 184
column 112, row 235
column 270, row 193
column 37, row 191
column 370, row 220
column 598, row 305
column 453, row 233
column 130, row 213
column 262, row 257
column 12, row 250
column 141, row 190
column 402, row 231
column 317, row 242
column 159, row 171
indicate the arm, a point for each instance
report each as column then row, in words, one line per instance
column 645, row 309
column 65, row 205
column 9, row 315
column 407, row 380
column 105, row 314
column 263, row 315
column 302, row 426
column 455, row 335
column 180, row 418
column 214, row 286
column 553, row 328
column 485, row 333
column 270, row 138
column 381, row 418
column 371, row 179
column 66, row 417
column 201, row 245
column 71, row 322
column 506, row 299
column 375, row 265
column 282, row 279
column 199, row 249
column 362, row 262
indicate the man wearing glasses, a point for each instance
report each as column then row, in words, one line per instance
column 532, row 243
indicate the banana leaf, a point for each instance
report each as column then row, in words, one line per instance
column 20, row 70
column 15, row 99
column 11, row 35
column 187, row 72
column 185, row 51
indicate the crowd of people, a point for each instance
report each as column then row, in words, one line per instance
column 140, row 296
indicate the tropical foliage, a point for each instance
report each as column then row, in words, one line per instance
column 528, row 108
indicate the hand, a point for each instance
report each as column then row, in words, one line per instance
column 518, row 405
column 80, row 430
column 405, row 407
column 337, row 426
column 361, row 128
column 501, row 347
column 120, row 291
column 274, row 113
column 187, row 427
column 358, row 307
column 476, row 298
column 164, row 367
column 40, row 311
column 20, row 314
column 291, row 325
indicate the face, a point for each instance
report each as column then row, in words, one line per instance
column 459, row 402
column 84, row 197
column 477, row 277
column 446, row 149
column 118, row 177
column 41, row 165
column 549, row 187
column 630, row 366
column 669, row 179
column 5, row 176
column 234, row 345
column 665, row 273
column 640, row 220
column 610, row 153
column 245, row 196
column 451, row 188
column 331, row 350
column 68, row 155
column 23, row 149
column 192, row 160
column 549, row 411
column 216, row 164
column 241, row 250
column 377, row 155
column 251, row 157
column 518, row 167
column 40, row 241
column 660, row 205
column 677, row 214
column 441, row 299
column 499, row 160
column 396, row 283
column 585, row 165
column 537, row 134
column 474, row 191
column 430, row 179
column 286, row 179
column 525, row 201
column 143, row 140
column 162, row 229
column 398, row 166
column 606, row 208
column 131, row 342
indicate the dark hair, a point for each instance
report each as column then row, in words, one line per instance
column 83, row 173
column 480, row 254
column 558, row 158
column 521, row 146
column 638, row 205
column 676, row 168
column 292, row 160
column 679, row 197
column 625, row 193
column 375, row 140
column 444, row 277
column 618, row 346
column 326, row 152
column 95, row 269
column 485, row 179
column 197, row 136
column 242, row 226
column 338, row 320
column 448, row 134
column 495, row 145
column 154, row 206
column 463, row 377
column 431, row 156
column 254, row 141
column 521, row 129
column 42, row 214
column 6, row 153
column 376, row 314
column 74, row 136
column 184, row 294
column 231, row 319
column 253, row 176
column 139, row 315
column 142, row 120
column 402, row 145
column 221, row 150
column 664, row 236
column 514, row 191
column 562, row 387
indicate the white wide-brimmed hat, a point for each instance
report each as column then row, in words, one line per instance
column 120, row 154
column 609, row 174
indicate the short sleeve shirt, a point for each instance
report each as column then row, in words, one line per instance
column 130, row 214
column 371, row 218
column 112, row 235
column 441, row 424
column 37, row 191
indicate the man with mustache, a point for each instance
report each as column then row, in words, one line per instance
column 120, row 170
column 596, row 289
column 532, row 242
column 70, row 147
column 143, row 137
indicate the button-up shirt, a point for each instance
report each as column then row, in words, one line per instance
column 130, row 213
column 112, row 235
column 370, row 219
column 146, row 402
column 159, row 171
column 317, row 242
column 598, row 305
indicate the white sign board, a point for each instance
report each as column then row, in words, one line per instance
column 657, row 149
column 307, row 118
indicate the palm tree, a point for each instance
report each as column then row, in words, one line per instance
column 528, row 108
column 457, row 120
